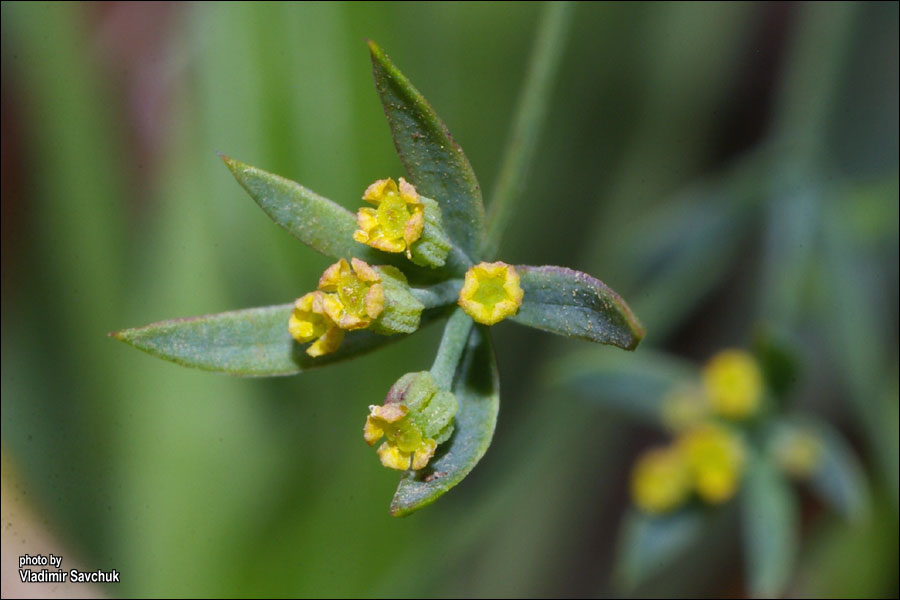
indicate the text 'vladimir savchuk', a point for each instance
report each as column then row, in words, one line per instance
column 55, row 574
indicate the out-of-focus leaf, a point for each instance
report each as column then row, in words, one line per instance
column 778, row 359
column 769, row 519
column 576, row 305
column 649, row 543
column 318, row 222
column 435, row 163
column 250, row 342
column 855, row 294
column 839, row 481
column 634, row 384
column 477, row 388
column 687, row 247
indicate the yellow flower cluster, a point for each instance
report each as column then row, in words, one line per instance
column 707, row 459
column 405, row 446
column 417, row 416
column 731, row 388
column 733, row 384
column 396, row 222
column 349, row 296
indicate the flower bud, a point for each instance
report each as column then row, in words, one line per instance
column 415, row 418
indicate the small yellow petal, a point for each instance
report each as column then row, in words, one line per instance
column 305, row 324
column 384, row 244
column 372, row 432
column 393, row 458
column 375, row 192
column 412, row 231
column 328, row 343
column 331, row 278
column 364, row 272
column 367, row 222
column 408, row 192
column 389, row 413
column 331, row 306
column 375, row 301
column 350, row 322
column 423, row 454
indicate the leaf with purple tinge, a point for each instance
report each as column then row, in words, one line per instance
column 576, row 305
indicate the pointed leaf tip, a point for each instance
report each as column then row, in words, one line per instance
column 321, row 224
column 435, row 163
column 248, row 342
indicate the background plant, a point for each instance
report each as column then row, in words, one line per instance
column 115, row 212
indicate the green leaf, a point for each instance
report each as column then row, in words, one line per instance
column 576, row 305
column 435, row 163
column 633, row 384
column 250, row 342
column 839, row 481
column 477, row 389
column 650, row 543
column 318, row 222
column 769, row 519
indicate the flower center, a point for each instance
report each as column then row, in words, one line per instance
column 352, row 293
column 491, row 291
column 392, row 216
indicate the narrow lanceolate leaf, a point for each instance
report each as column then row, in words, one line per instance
column 318, row 222
column 477, row 389
column 769, row 519
column 250, row 342
column 576, row 305
column 435, row 163
column 651, row 543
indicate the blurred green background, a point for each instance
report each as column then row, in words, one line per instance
column 719, row 165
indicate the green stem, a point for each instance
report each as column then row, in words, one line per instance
column 522, row 142
column 456, row 334
column 441, row 294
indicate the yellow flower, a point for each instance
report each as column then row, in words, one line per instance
column 734, row 384
column 405, row 446
column 684, row 407
column 798, row 452
column 660, row 480
column 491, row 292
column 715, row 456
column 308, row 322
column 352, row 298
column 397, row 221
